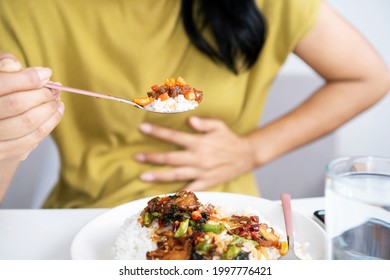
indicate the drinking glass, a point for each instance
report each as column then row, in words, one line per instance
column 357, row 195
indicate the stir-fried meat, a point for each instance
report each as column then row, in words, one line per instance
column 158, row 91
column 170, row 211
column 171, row 249
column 268, row 234
column 174, row 254
column 186, row 201
column 174, row 91
column 164, row 231
column 155, row 204
column 183, row 227
column 198, row 95
column 172, row 88
column 183, row 200
column 262, row 242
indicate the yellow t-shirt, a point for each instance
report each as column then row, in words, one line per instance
column 122, row 47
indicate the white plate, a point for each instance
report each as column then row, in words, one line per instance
column 96, row 239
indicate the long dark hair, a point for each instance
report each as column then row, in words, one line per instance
column 238, row 28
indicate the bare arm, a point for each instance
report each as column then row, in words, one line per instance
column 356, row 78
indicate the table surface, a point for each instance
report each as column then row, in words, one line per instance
column 45, row 234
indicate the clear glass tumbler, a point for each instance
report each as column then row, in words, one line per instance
column 357, row 195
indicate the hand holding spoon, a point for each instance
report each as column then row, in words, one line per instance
column 103, row 96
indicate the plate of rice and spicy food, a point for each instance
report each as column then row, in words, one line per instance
column 197, row 226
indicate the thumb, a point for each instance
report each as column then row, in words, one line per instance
column 206, row 125
column 8, row 63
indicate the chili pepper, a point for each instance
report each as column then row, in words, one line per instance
column 182, row 229
column 154, row 87
column 254, row 219
column 217, row 229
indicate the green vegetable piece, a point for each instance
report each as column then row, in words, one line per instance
column 239, row 240
column 148, row 218
column 182, row 229
column 231, row 253
column 154, row 214
column 203, row 247
column 217, row 229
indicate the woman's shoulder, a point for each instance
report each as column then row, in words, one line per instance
column 288, row 21
column 292, row 7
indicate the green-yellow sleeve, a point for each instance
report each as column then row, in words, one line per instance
column 288, row 21
column 300, row 19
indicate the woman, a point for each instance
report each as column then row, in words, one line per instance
column 111, row 153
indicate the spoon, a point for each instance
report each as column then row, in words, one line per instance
column 287, row 213
column 99, row 95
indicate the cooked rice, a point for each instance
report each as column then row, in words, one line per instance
column 172, row 105
column 133, row 241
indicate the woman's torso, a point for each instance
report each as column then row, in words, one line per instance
column 122, row 48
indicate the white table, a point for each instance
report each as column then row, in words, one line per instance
column 48, row 234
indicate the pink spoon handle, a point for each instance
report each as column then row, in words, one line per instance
column 286, row 202
column 90, row 93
